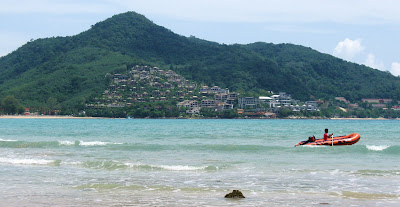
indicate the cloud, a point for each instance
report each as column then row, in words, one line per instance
column 395, row 69
column 372, row 62
column 348, row 49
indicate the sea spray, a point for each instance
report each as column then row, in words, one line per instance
column 27, row 161
column 377, row 147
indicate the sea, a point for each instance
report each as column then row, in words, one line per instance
column 196, row 162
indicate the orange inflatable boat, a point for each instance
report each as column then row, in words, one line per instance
column 342, row 140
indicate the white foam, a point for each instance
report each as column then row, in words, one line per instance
column 93, row 143
column 334, row 172
column 180, row 167
column 66, row 142
column 8, row 140
column 168, row 167
column 377, row 147
column 312, row 146
column 177, row 190
column 83, row 143
column 72, row 163
column 25, row 161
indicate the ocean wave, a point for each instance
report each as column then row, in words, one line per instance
column 97, row 143
column 23, row 144
column 116, row 165
column 374, row 172
column 181, row 167
column 204, row 147
column 351, row 149
column 66, row 142
column 313, row 146
column 365, row 195
column 86, row 143
column 377, row 147
column 8, row 140
column 170, row 167
column 53, row 144
column 26, row 161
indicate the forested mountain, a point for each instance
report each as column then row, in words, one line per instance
column 73, row 69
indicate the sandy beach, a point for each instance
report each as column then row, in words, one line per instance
column 45, row 117
column 363, row 119
column 73, row 117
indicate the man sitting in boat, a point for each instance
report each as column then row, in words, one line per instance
column 326, row 136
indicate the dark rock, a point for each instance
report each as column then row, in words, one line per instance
column 235, row 194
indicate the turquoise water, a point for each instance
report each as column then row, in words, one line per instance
column 107, row 162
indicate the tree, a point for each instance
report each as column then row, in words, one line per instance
column 229, row 114
column 284, row 112
column 52, row 105
column 12, row 106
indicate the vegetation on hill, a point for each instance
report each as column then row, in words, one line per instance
column 70, row 71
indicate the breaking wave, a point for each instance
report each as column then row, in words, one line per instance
column 52, row 144
column 115, row 165
column 377, row 147
column 26, row 161
column 84, row 143
column 107, row 165
column 7, row 140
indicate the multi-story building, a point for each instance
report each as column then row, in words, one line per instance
column 209, row 103
column 188, row 104
column 249, row 103
column 214, row 89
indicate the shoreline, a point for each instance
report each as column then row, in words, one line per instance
column 74, row 117
column 364, row 119
column 46, row 117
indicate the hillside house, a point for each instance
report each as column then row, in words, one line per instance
column 379, row 106
column 208, row 103
column 376, row 100
column 342, row 99
column 214, row 89
column 311, row 106
column 220, row 97
column 188, row 104
column 249, row 103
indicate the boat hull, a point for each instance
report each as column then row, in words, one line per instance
column 335, row 141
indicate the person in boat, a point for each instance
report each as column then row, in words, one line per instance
column 310, row 139
column 326, row 136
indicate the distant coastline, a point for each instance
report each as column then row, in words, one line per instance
column 365, row 118
column 46, row 117
column 86, row 117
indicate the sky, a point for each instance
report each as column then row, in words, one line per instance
column 361, row 31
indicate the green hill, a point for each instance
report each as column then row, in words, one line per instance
column 73, row 69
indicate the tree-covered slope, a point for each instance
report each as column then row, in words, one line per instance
column 323, row 75
column 72, row 69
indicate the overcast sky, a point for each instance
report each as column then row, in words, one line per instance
column 361, row 31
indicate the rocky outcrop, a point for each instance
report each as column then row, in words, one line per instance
column 235, row 194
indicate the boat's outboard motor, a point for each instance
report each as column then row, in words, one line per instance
column 311, row 139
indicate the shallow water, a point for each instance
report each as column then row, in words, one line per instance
column 196, row 162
